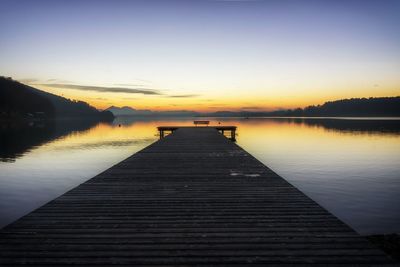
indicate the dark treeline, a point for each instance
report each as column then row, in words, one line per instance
column 354, row 107
column 19, row 101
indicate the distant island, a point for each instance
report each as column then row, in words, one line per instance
column 354, row 107
column 22, row 102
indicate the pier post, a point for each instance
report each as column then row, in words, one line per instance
column 233, row 135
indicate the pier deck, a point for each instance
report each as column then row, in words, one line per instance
column 193, row 198
column 222, row 129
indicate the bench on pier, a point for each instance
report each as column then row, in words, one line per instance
column 201, row 123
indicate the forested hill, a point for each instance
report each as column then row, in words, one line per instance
column 18, row 100
column 354, row 107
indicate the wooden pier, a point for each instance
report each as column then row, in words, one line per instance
column 193, row 198
column 164, row 130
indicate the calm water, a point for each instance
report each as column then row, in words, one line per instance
column 349, row 166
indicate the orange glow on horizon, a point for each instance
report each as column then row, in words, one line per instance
column 208, row 104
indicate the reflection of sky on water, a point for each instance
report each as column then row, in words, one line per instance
column 353, row 172
column 352, row 168
column 102, row 144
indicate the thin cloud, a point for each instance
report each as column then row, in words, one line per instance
column 218, row 107
column 251, row 107
column 128, row 84
column 129, row 98
column 28, row 80
column 98, row 98
column 54, row 80
column 182, row 96
column 144, row 91
column 129, row 90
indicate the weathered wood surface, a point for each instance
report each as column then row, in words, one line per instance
column 193, row 198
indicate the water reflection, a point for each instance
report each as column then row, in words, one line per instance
column 351, row 167
column 351, row 125
column 16, row 139
column 54, row 158
column 353, row 171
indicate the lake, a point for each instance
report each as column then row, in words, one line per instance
column 350, row 166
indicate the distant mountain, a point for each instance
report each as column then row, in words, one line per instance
column 128, row 111
column 18, row 100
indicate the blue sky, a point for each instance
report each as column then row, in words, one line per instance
column 208, row 54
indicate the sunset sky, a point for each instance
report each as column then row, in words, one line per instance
column 203, row 55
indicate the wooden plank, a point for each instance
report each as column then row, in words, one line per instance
column 194, row 198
